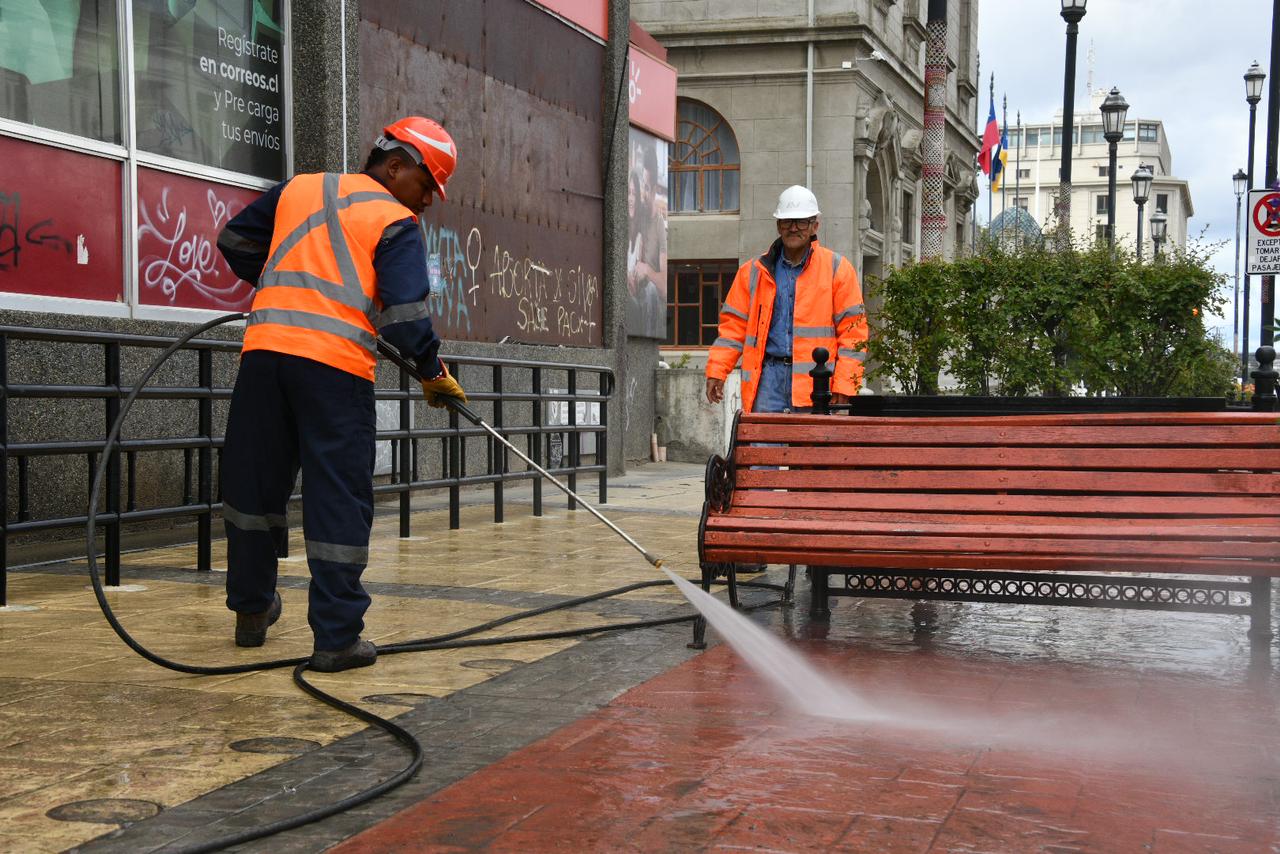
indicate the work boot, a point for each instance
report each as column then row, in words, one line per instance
column 362, row 653
column 251, row 629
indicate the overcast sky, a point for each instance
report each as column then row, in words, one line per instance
column 1179, row 61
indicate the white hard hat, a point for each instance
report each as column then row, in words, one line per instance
column 796, row 202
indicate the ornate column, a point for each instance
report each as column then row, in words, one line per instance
column 933, row 215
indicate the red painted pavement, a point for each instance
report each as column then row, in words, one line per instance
column 702, row 758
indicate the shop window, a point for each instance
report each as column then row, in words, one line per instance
column 59, row 66
column 704, row 161
column 204, row 89
column 695, row 292
column 210, row 83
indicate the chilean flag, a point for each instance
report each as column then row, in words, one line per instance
column 990, row 140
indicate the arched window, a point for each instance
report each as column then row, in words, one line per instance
column 704, row 161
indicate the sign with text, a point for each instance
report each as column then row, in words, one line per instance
column 651, row 94
column 179, row 264
column 210, row 83
column 60, row 233
column 1263, row 242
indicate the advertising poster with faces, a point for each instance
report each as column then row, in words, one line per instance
column 210, row 82
column 646, row 315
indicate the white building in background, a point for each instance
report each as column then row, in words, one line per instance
column 1032, row 180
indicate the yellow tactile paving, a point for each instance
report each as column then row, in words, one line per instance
column 82, row 716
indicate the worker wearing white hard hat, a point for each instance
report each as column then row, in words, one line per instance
column 785, row 304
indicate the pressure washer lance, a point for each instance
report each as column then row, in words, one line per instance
column 469, row 414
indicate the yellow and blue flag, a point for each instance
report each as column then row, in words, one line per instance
column 999, row 160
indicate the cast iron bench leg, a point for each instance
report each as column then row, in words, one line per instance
column 818, row 609
column 1260, row 607
column 789, row 590
column 699, row 622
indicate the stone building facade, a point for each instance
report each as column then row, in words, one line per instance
column 816, row 92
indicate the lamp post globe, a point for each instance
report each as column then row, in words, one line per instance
column 1240, row 182
column 1114, row 109
column 1159, row 230
column 1253, row 79
column 1072, row 12
column 1141, row 179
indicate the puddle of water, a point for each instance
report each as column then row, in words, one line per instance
column 1169, row 736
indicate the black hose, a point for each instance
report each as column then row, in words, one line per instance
column 452, row 640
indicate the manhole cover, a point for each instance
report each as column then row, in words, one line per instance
column 105, row 811
column 492, row 663
column 405, row 699
column 274, row 744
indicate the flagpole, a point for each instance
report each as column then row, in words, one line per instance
column 1004, row 179
column 1017, row 172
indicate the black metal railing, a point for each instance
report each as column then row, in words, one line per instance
column 515, row 388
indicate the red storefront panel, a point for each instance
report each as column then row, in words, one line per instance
column 591, row 15
column 60, row 213
column 651, row 94
column 179, row 264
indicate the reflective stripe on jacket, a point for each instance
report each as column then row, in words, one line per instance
column 828, row 313
column 318, row 295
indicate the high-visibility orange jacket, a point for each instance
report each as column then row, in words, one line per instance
column 318, row 295
column 829, row 313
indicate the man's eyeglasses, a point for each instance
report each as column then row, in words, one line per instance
column 796, row 224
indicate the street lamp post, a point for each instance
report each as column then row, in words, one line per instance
column 1240, row 183
column 1142, row 178
column 1114, row 109
column 1159, row 230
column 1253, row 79
column 1072, row 12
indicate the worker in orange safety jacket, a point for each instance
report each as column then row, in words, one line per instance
column 783, row 305
column 337, row 261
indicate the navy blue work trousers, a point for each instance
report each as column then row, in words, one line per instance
column 290, row 413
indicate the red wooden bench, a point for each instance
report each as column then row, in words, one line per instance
column 1056, row 509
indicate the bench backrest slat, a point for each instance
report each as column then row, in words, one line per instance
column 1120, row 459
column 848, row 482
column 857, row 434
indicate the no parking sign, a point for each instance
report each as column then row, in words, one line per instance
column 1263, row 243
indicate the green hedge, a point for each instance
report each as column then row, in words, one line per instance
column 1030, row 320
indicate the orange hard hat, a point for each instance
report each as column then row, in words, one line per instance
column 429, row 144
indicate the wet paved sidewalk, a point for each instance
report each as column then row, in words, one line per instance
column 1014, row 728
column 988, row 753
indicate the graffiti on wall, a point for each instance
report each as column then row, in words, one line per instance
column 178, row 259
column 17, row 234
column 529, row 298
column 54, row 239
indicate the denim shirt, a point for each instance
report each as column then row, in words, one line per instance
column 784, row 305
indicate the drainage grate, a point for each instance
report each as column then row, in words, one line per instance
column 105, row 811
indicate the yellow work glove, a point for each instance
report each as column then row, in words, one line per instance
column 441, row 387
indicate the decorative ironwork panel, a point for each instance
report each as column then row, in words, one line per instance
column 1097, row 591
